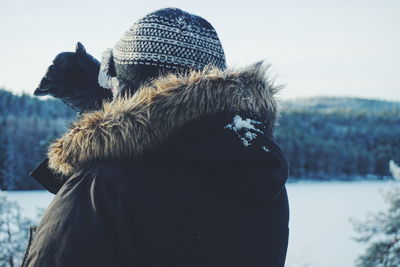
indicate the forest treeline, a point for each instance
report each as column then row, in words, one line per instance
column 27, row 126
column 340, row 138
column 323, row 138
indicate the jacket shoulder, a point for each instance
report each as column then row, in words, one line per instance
column 75, row 220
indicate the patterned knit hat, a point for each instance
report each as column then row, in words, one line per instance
column 170, row 38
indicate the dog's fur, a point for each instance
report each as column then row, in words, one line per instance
column 129, row 126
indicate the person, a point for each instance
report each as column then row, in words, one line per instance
column 174, row 165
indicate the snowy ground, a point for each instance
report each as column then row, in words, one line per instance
column 320, row 231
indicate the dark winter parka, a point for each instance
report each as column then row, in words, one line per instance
column 182, row 174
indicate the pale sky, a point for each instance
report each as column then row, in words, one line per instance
column 334, row 48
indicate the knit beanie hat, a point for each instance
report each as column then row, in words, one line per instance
column 169, row 39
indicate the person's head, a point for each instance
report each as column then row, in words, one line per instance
column 166, row 41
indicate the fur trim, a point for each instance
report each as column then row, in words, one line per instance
column 129, row 126
column 106, row 78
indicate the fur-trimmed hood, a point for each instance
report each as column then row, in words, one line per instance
column 128, row 127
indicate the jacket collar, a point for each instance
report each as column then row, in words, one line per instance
column 130, row 126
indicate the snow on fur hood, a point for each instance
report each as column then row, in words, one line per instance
column 128, row 127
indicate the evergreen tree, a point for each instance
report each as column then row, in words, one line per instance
column 13, row 233
column 382, row 233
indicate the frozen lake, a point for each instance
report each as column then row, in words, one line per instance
column 320, row 231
